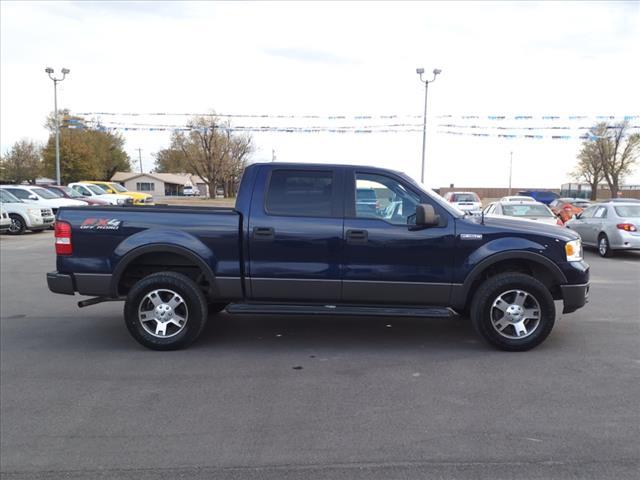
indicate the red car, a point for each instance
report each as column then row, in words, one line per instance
column 65, row 192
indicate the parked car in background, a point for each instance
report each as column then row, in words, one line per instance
column 25, row 215
column 517, row 198
column 567, row 208
column 41, row 197
column 366, row 201
column 95, row 192
column 465, row 201
column 5, row 220
column 68, row 192
column 190, row 191
column 609, row 226
column 524, row 210
column 139, row 198
column 542, row 196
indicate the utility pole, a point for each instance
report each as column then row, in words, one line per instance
column 64, row 71
column 273, row 154
column 140, row 158
column 510, row 170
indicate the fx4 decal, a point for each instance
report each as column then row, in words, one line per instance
column 101, row 224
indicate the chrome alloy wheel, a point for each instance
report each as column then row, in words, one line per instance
column 163, row 313
column 603, row 246
column 515, row 314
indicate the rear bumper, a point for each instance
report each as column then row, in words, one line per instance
column 60, row 283
column 96, row 284
column 574, row 296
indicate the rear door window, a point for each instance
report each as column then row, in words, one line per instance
column 307, row 193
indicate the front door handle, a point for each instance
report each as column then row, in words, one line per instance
column 357, row 236
column 263, row 233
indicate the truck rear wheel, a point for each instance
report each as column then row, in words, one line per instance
column 513, row 311
column 165, row 311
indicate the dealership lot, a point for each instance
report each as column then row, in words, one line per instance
column 331, row 397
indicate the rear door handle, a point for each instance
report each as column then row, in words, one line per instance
column 357, row 236
column 263, row 233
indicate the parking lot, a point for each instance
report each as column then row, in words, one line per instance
column 332, row 397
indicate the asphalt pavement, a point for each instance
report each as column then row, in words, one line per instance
column 315, row 398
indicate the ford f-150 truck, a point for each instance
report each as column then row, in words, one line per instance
column 297, row 243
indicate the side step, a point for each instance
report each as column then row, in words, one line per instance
column 357, row 310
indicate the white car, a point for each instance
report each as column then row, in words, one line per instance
column 190, row 191
column 518, row 198
column 94, row 191
column 41, row 197
column 23, row 215
column 465, row 201
column 523, row 210
column 5, row 221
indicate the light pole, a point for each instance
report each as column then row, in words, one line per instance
column 64, row 71
column 420, row 71
column 510, row 169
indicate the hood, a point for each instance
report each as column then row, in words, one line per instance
column 527, row 226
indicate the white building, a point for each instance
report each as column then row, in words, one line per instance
column 160, row 184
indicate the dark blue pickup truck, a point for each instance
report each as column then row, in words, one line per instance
column 301, row 240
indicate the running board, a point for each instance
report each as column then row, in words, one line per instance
column 356, row 310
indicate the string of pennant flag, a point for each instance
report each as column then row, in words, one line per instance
column 367, row 117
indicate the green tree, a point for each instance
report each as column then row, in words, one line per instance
column 86, row 153
column 23, row 162
column 172, row 160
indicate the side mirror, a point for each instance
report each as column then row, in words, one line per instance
column 33, row 197
column 426, row 216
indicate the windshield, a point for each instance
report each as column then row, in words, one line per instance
column 118, row 188
column 526, row 210
column 96, row 189
column 6, row 197
column 55, row 192
column 628, row 211
column 46, row 194
column 464, row 197
column 71, row 192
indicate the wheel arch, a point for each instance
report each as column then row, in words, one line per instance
column 130, row 258
column 531, row 263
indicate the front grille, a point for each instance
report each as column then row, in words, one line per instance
column 45, row 212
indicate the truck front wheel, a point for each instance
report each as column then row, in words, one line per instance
column 513, row 311
column 165, row 311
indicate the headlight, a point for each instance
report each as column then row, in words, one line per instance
column 34, row 212
column 573, row 250
column 121, row 201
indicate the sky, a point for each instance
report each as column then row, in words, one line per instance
column 536, row 59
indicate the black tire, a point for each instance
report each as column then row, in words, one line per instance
column 506, row 285
column 604, row 247
column 38, row 230
column 193, row 304
column 18, row 225
column 217, row 307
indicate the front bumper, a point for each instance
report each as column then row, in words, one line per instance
column 574, row 296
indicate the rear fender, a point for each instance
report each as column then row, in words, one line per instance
column 173, row 241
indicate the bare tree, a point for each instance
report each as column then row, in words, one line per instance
column 620, row 153
column 23, row 162
column 589, row 166
column 212, row 152
column 608, row 153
